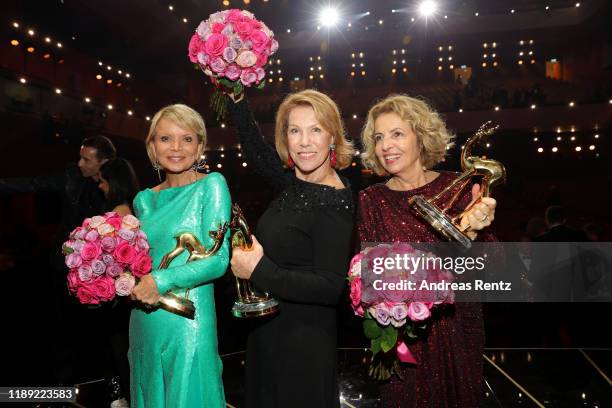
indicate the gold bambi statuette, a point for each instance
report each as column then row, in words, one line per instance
column 250, row 303
column 492, row 172
column 181, row 305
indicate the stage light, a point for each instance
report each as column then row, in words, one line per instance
column 547, row 8
column 451, row 66
column 120, row 72
column 476, row 14
column 329, row 17
column 354, row 116
column 219, row 165
column 222, row 156
column 109, row 107
column 244, row 164
column 87, row 100
column 22, row 80
column 439, row 67
column 148, row 118
column 239, row 154
column 533, row 106
column 571, row 104
column 592, row 147
column 596, row 136
column 512, row 11
column 577, row 4
column 127, row 74
column 578, row 148
column 288, row 30
column 31, row 32
column 223, row 125
column 226, row 3
column 363, row 73
column 555, row 149
column 58, row 91
column 540, row 150
column 171, row 7
column 14, row 43
column 270, row 80
column 535, row 139
column 573, row 138
column 445, row 16
column 520, row 62
column 15, row 24
column 47, row 39
column 521, row 42
column 494, row 44
column 30, row 49
column 47, row 56
column 352, row 74
column 380, row 22
column 184, row 19
column 100, row 63
column 404, row 69
column 496, row 108
column 109, row 81
column 98, row 76
column 130, row 112
column 108, row 67
column 281, row 79
column 59, row 45
column 427, row 8
column 460, row 110
column 559, row 138
column 484, row 64
column 494, row 63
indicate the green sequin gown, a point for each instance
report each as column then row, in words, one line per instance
column 174, row 361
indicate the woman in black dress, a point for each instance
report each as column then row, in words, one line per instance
column 305, row 237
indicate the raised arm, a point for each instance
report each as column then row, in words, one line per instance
column 326, row 284
column 214, row 212
column 263, row 156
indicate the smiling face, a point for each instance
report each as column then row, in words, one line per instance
column 308, row 143
column 175, row 148
column 397, row 147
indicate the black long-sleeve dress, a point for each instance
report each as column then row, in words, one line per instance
column 306, row 236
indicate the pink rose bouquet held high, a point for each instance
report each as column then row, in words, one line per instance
column 232, row 47
column 106, row 256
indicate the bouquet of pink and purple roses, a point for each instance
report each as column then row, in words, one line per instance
column 106, row 255
column 394, row 304
column 232, row 47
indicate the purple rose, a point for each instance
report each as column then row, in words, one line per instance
column 108, row 244
column 85, row 273
column 73, row 260
column 113, row 270
column 228, row 30
column 232, row 72
column 382, row 314
column 203, row 30
column 78, row 246
column 248, row 77
column 124, row 284
column 126, row 234
column 91, row 235
column 273, row 46
column 235, row 42
column 217, row 64
column 229, row 54
column 202, row 58
column 98, row 267
column 260, row 73
column 107, row 259
column 399, row 311
column 80, row 234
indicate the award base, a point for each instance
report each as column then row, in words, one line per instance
column 177, row 305
column 255, row 308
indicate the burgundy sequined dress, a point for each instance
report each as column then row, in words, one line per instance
column 449, row 359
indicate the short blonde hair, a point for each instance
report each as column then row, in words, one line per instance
column 181, row 115
column 327, row 114
column 432, row 135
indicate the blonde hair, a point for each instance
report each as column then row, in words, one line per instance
column 184, row 117
column 327, row 114
column 433, row 138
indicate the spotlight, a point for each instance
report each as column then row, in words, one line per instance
column 328, row 17
column 16, row 24
column 130, row 112
column 427, row 8
column 87, row 99
column 555, row 149
column 31, row 32
column 540, row 150
column 22, row 80
column 109, row 107
column 58, row 91
column 148, row 118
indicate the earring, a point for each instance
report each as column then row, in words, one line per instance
column 332, row 155
column 290, row 162
column 157, row 167
column 199, row 165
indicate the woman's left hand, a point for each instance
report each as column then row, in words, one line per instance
column 481, row 215
column 243, row 262
column 146, row 291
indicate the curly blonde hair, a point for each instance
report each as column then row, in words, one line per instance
column 327, row 114
column 433, row 138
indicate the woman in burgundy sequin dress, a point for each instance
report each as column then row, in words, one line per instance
column 403, row 138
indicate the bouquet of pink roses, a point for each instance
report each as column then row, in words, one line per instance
column 393, row 303
column 232, row 48
column 105, row 257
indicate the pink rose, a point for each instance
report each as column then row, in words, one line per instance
column 73, row 280
column 113, row 270
column 110, row 214
column 217, row 28
column 124, row 284
column 130, row 222
column 381, row 314
column 75, row 232
column 248, row 77
column 246, row 59
column 262, row 59
column 104, row 287
column 234, row 16
column 105, row 229
column 78, row 246
column 229, row 54
column 98, row 267
column 79, row 233
column 87, row 295
column 86, row 222
column 418, row 311
column 96, row 221
column 203, row 31
column 244, row 28
column 125, row 253
column 91, row 250
column 215, row 44
column 91, row 235
column 359, row 311
column 108, row 244
column 202, row 58
column 115, row 222
column 260, row 40
column 217, row 65
column 126, row 234
column 196, row 45
column 355, row 291
column 85, row 273
column 141, row 265
column 232, row 72
column 73, row 260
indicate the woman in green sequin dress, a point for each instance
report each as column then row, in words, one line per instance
column 174, row 360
